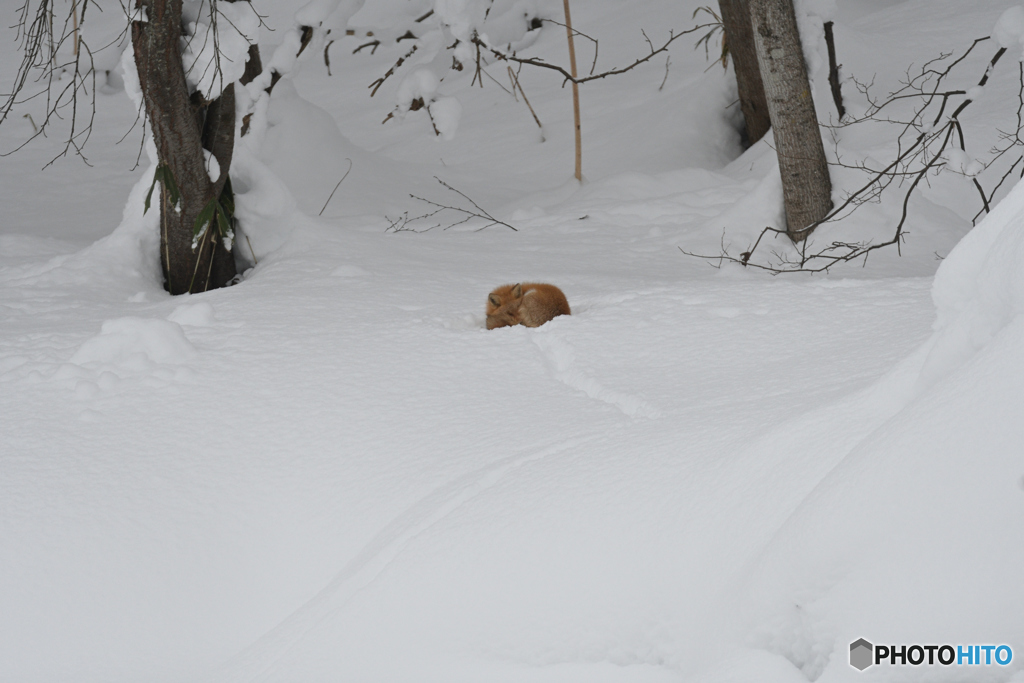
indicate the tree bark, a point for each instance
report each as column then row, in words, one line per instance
column 806, row 186
column 181, row 130
column 739, row 36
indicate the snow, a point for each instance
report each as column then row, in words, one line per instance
column 315, row 12
column 216, row 49
column 446, row 113
column 332, row 471
column 212, row 166
column 959, row 161
column 1009, row 29
column 462, row 17
column 891, row 499
column 420, row 84
column 979, row 291
column 160, row 341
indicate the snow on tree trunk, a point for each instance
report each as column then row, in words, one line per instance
column 806, row 187
column 181, row 129
column 739, row 35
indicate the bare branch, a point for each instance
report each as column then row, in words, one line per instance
column 375, row 86
column 62, row 83
column 373, row 45
column 404, row 223
column 593, row 64
column 916, row 158
column 516, row 84
column 833, row 71
column 593, row 77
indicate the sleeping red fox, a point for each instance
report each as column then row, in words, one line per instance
column 527, row 303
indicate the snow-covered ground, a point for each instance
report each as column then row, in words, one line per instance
column 332, row 471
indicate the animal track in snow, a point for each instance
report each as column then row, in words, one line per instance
column 561, row 360
column 375, row 557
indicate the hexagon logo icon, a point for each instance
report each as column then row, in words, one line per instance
column 861, row 654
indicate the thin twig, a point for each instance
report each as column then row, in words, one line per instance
column 337, row 186
column 517, row 84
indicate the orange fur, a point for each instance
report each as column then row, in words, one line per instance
column 530, row 304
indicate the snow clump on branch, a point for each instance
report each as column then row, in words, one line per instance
column 213, row 59
column 1009, row 30
column 460, row 27
column 446, row 113
column 958, row 160
column 418, row 90
column 419, row 85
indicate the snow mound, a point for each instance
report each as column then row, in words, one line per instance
column 979, row 288
column 304, row 148
column 888, row 546
column 133, row 342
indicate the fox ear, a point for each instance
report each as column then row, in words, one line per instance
column 517, row 291
column 495, row 301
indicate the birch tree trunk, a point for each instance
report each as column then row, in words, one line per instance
column 806, row 186
column 739, row 36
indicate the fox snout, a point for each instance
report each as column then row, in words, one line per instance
column 527, row 303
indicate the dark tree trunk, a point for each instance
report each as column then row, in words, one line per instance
column 806, row 186
column 739, row 37
column 181, row 130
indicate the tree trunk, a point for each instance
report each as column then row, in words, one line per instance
column 575, row 93
column 739, row 36
column 181, row 130
column 806, row 187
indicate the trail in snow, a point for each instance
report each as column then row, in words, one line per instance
column 374, row 558
column 561, row 360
